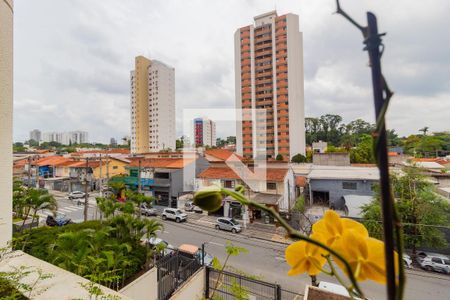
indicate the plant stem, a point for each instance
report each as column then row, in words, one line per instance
column 335, row 274
column 295, row 234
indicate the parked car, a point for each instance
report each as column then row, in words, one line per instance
column 147, row 210
column 174, row 214
column 58, row 220
column 436, row 263
column 153, row 242
column 229, row 224
column 407, row 261
column 76, row 195
column 189, row 206
column 192, row 251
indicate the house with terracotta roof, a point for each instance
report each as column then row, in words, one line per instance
column 164, row 178
column 276, row 188
column 221, row 155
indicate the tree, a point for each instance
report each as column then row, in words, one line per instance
column 279, row 157
column 35, row 200
column 363, row 153
column 424, row 130
column 421, row 210
column 298, row 158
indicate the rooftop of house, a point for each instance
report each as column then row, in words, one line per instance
column 222, row 154
column 167, row 163
column 50, row 160
column 228, row 173
column 336, row 172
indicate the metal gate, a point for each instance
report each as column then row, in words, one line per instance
column 173, row 270
column 232, row 286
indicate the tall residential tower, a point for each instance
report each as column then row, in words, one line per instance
column 152, row 106
column 269, row 76
column 205, row 132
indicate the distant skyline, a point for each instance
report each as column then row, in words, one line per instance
column 73, row 58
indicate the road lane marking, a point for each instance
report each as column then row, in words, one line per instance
column 64, row 210
column 280, row 258
column 217, row 244
column 70, row 209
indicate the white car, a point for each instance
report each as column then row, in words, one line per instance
column 174, row 214
column 154, row 242
column 407, row 261
column 147, row 210
column 76, row 195
column 436, row 263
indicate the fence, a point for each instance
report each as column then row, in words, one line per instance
column 173, row 270
column 234, row 286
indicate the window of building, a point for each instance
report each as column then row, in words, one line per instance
column 271, row 185
column 349, row 185
column 115, row 167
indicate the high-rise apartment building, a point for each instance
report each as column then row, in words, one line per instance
column 66, row 138
column 269, row 76
column 152, row 106
column 35, row 135
column 204, row 132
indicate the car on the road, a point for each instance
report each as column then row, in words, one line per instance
column 155, row 243
column 58, row 220
column 436, row 262
column 193, row 251
column 76, row 195
column 174, row 214
column 189, row 206
column 407, row 261
column 228, row 224
column 147, row 210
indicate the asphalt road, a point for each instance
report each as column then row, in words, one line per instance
column 71, row 208
column 266, row 259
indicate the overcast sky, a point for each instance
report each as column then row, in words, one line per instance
column 73, row 58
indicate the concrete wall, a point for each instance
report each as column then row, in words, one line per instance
column 334, row 187
column 143, row 288
column 6, row 113
column 193, row 289
column 331, row 159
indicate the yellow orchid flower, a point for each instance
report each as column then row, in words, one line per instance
column 305, row 257
column 332, row 227
column 364, row 254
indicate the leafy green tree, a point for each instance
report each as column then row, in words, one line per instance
column 35, row 200
column 279, row 157
column 422, row 211
column 298, row 158
column 363, row 153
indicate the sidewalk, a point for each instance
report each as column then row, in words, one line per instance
column 255, row 230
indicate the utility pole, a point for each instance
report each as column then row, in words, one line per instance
column 139, row 176
column 101, row 178
column 86, row 197
column 29, row 172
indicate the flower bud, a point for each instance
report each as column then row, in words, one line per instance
column 209, row 198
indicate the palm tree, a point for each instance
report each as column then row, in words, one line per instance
column 107, row 207
column 424, row 130
column 36, row 200
column 139, row 199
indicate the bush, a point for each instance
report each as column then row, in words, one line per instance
column 279, row 157
column 298, row 158
column 91, row 249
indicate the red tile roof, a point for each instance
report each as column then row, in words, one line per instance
column 393, row 154
column 168, row 163
column 272, row 174
column 222, row 154
column 50, row 161
column 118, row 151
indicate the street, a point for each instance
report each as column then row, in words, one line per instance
column 71, row 208
column 266, row 259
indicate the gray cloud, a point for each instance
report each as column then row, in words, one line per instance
column 73, row 57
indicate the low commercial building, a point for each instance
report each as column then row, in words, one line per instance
column 328, row 185
column 276, row 190
column 164, row 178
